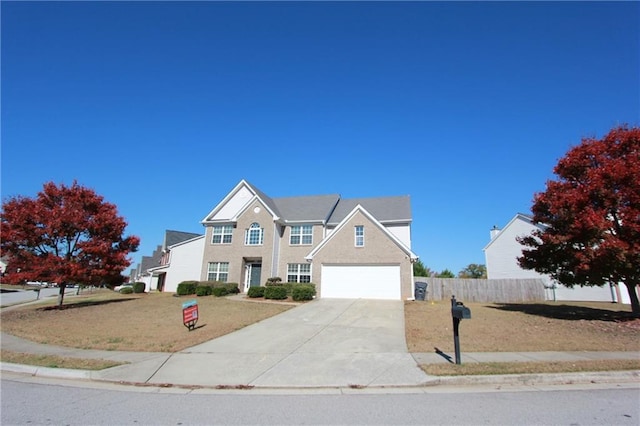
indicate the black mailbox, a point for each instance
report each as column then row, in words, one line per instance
column 460, row 311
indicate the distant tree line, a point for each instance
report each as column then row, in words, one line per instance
column 472, row 270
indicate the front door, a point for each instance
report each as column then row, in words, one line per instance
column 253, row 274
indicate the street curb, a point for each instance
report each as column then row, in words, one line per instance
column 632, row 376
column 603, row 377
column 37, row 371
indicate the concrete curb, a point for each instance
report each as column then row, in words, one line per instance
column 542, row 379
column 503, row 379
column 37, row 371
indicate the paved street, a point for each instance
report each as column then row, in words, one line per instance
column 28, row 400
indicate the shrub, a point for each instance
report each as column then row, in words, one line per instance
column 232, row 288
column 256, row 291
column 138, row 287
column 203, row 290
column 220, row 291
column 187, row 287
column 303, row 292
column 126, row 290
column 273, row 281
column 277, row 292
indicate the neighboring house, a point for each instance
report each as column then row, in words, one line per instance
column 142, row 273
column 181, row 261
column 154, row 270
column 501, row 260
column 349, row 248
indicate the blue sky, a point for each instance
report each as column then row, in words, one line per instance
column 164, row 107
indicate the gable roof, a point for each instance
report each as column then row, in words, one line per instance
column 327, row 209
column 519, row 216
column 342, row 224
column 174, row 237
column 306, row 208
column 256, row 194
column 384, row 209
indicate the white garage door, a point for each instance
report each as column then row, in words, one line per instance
column 360, row 282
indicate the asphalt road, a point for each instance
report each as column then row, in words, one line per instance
column 24, row 296
column 37, row 402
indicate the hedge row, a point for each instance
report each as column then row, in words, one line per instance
column 273, row 289
column 280, row 291
column 207, row 288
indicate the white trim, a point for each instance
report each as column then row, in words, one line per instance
column 342, row 224
column 526, row 218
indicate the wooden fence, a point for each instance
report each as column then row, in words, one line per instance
column 484, row 291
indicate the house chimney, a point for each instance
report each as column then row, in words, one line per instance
column 494, row 231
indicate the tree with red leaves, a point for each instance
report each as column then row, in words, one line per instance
column 67, row 235
column 592, row 215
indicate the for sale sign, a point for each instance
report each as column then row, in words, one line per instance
column 190, row 314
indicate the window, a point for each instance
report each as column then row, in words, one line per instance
column 254, row 235
column 222, row 234
column 299, row 273
column 301, row 235
column 359, row 236
column 218, row 271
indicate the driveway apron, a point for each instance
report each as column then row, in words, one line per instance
column 327, row 342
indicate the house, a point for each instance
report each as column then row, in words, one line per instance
column 181, row 261
column 349, row 248
column 501, row 255
column 154, row 270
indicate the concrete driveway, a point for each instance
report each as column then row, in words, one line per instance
column 327, row 342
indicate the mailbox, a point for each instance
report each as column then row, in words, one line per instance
column 460, row 311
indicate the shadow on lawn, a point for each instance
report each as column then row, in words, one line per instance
column 85, row 304
column 566, row 312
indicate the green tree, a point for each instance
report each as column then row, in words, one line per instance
column 473, row 270
column 446, row 274
column 419, row 270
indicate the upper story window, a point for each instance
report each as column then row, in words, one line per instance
column 301, row 235
column 254, row 235
column 359, row 234
column 222, row 234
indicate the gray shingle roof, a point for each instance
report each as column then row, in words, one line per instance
column 175, row 237
column 384, row 209
column 306, row 208
column 333, row 209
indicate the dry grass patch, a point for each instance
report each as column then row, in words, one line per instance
column 54, row 361
column 492, row 368
column 133, row 322
column 525, row 327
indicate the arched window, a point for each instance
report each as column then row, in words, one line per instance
column 254, row 235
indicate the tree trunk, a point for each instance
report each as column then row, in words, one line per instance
column 633, row 296
column 61, row 294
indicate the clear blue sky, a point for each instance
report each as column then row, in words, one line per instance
column 163, row 108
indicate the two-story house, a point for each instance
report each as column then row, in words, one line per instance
column 180, row 260
column 349, row 248
column 501, row 257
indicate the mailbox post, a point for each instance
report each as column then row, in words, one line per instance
column 458, row 313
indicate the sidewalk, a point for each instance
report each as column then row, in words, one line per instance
column 343, row 344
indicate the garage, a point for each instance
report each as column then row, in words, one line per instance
column 361, row 282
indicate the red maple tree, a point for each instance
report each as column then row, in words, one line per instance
column 66, row 235
column 592, row 212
